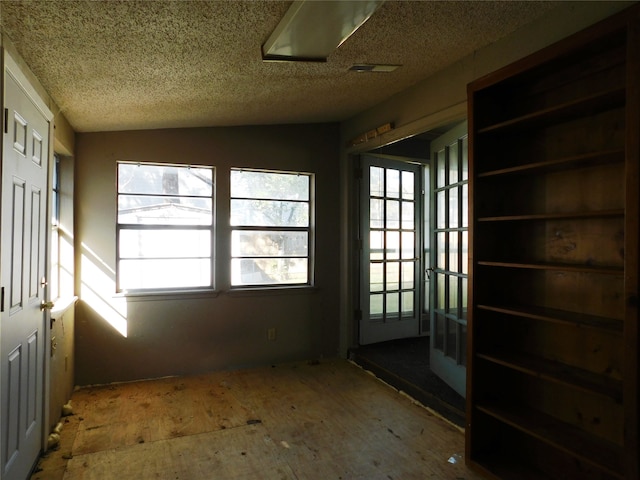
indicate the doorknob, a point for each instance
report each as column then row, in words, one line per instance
column 46, row 305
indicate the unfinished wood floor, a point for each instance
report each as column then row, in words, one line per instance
column 296, row 421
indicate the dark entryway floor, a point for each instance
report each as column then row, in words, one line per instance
column 405, row 365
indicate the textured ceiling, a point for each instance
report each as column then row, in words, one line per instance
column 117, row 65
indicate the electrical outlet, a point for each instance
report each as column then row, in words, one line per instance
column 271, row 334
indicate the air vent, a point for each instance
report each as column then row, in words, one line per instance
column 364, row 67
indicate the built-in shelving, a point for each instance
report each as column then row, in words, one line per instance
column 552, row 355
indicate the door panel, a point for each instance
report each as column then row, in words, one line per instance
column 390, row 210
column 22, row 326
column 449, row 261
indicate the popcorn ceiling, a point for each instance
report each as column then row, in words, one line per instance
column 120, row 65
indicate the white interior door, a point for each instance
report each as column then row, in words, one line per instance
column 390, row 231
column 448, row 270
column 22, row 329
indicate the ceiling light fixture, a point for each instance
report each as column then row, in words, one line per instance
column 312, row 29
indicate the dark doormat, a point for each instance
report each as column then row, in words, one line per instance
column 404, row 364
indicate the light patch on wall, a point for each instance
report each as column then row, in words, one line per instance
column 98, row 278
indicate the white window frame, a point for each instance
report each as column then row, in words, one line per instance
column 308, row 229
column 165, row 227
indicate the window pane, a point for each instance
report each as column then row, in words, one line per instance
column 376, row 213
column 453, row 251
column 393, row 245
column 393, row 305
column 441, row 219
column 407, row 215
column 452, row 339
column 440, row 168
column 165, row 243
column 268, row 244
column 408, row 245
column 376, row 246
column 268, row 271
column 407, row 185
column 376, row 277
column 164, row 273
column 441, row 245
column 150, row 210
column 393, row 183
column 453, row 163
column 375, row 305
column 269, row 213
column 453, row 207
column 165, row 179
column 407, row 275
column 376, row 182
column 268, row 185
column 407, row 304
column 393, row 276
column 393, row 214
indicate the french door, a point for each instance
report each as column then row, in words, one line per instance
column 448, row 269
column 390, row 236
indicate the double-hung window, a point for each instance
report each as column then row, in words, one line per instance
column 271, row 228
column 165, row 227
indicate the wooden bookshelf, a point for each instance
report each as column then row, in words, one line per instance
column 552, row 388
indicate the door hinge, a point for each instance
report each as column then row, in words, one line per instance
column 6, row 120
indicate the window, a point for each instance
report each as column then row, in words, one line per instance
column 164, row 227
column 271, row 218
column 54, row 276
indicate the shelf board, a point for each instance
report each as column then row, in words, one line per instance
column 505, row 468
column 580, row 320
column 601, row 101
column 557, row 372
column 555, row 216
column 564, row 267
column 602, row 454
column 574, row 161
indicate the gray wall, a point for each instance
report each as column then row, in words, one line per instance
column 175, row 334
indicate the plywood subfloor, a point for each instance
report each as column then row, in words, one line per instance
column 296, row 421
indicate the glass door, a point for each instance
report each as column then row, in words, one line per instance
column 448, row 270
column 390, row 231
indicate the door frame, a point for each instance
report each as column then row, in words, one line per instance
column 350, row 253
column 12, row 67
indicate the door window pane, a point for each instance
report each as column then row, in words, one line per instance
column 393, row 275
column 376, row 213
column 376, row 181
column 376, row 245
column 393, row 214
column 453, row 163
column 408, row 222
column 393, row 305
column 407, row 304
column 408, row 245
column 452, row 340
column 407, row 275
column 453, row 251
column 375, row 305
column 393, row 245
column 393, row 183
column 453, row 207
column 408, row 186
column 376, row 277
